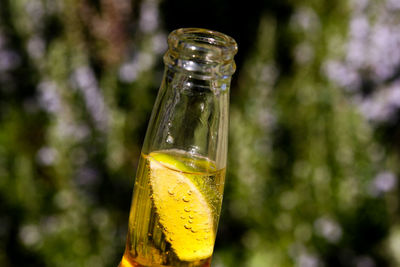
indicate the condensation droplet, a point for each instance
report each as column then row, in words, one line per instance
column 170, row 139
column 193, row 231
column 171, row 192
column 187, row 209
column 190, row 221
column 189, row 192
column 187, row 226
column 186, row 199
column 202, row 107
column 191, row 216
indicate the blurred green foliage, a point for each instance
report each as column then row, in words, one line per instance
column 313, row 157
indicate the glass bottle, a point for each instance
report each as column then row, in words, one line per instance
column 180, row 179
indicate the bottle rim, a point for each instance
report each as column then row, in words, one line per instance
column 206, row 52
column 198, row 39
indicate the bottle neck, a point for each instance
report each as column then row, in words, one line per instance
column 191, row 110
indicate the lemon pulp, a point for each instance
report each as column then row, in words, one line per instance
column 185, row 214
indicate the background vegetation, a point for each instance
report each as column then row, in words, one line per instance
column 314, row 133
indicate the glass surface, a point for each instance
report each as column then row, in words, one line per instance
column 180, row 179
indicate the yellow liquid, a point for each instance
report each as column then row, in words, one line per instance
column 175, row 210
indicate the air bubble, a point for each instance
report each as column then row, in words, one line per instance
column 171, row 192
column 190, row 221
column 189, row 192
column 187, row 226
column 191, row 216
column 187, row 209
column 186, row 199
column 193, row 231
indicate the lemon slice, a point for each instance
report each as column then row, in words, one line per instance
column 185, row 214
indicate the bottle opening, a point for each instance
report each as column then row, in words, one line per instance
column 192, row 40
column 201, row 51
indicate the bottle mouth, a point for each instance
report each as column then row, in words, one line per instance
column 201, row 51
